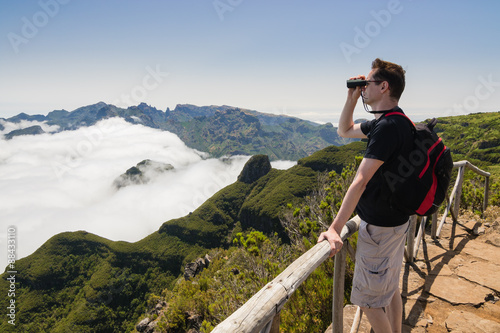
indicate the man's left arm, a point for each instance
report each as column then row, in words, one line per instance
column 366, row 170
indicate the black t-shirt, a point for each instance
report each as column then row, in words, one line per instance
column 390, row 138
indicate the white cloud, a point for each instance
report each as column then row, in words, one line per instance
column 51, row 183
column 9, row 127
column 283, row 165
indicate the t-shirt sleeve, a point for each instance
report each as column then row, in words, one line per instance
column 383, row 140
column 366, row 127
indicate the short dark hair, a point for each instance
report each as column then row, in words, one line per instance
column 392, row 73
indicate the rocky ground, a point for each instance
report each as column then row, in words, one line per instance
column 454, row 283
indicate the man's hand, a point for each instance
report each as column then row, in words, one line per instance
column 355, row 93
column 333, row 238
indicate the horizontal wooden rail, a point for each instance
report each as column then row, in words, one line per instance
column 472, row 167
column 457, row 192
column 257, row 314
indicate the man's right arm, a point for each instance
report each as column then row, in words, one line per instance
column 347, row 127
column 365, row 172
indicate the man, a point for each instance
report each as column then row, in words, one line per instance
column 383, row 228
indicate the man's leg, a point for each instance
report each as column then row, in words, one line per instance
column 395, row 312
column 378, row 319
column 388, row 320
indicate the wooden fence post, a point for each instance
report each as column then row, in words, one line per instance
column 410, row 239
column 421, row 235
column 274, row 325
column 338, row 292
column 456, row 204
column 486, row 193
column 434, row 225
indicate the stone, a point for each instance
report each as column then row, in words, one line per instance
column 483, row 273
column 143, row 324
column 466, row 322
column 422, row 323
column 411, row 285
column 151, row 327
column 444, row 271
column 455, row 263
column 207, row 259
column 412, row 311
column 194, row 268
column 472, row 224
column 159, row 307
column 434, row 252
column 457, row 291
column 409, row 329
column 482, row 250
column 492, row 309
column 493, row 239
column 479, row 231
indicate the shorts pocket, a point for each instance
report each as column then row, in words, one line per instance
column 374, row 276
column 366, row 235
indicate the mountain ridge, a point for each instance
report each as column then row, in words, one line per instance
column 218, row 130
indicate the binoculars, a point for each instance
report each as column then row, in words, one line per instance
column 356, row 83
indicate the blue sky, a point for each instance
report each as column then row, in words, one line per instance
column 285, row 57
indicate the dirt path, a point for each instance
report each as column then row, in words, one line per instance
column 454, row 284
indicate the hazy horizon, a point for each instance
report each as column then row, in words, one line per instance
column 415, row 116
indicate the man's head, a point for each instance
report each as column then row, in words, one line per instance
column 392, row 73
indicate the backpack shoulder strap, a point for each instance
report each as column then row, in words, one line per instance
column 412, row 124
column 400, row 114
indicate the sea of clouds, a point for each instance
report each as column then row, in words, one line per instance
column 57, row 182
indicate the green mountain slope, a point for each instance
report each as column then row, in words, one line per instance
column 474, row 137
column 78, row 280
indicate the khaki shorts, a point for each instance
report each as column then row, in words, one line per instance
column 379, row 256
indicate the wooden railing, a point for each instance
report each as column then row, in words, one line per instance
column 261, row 313
column 452, row 206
